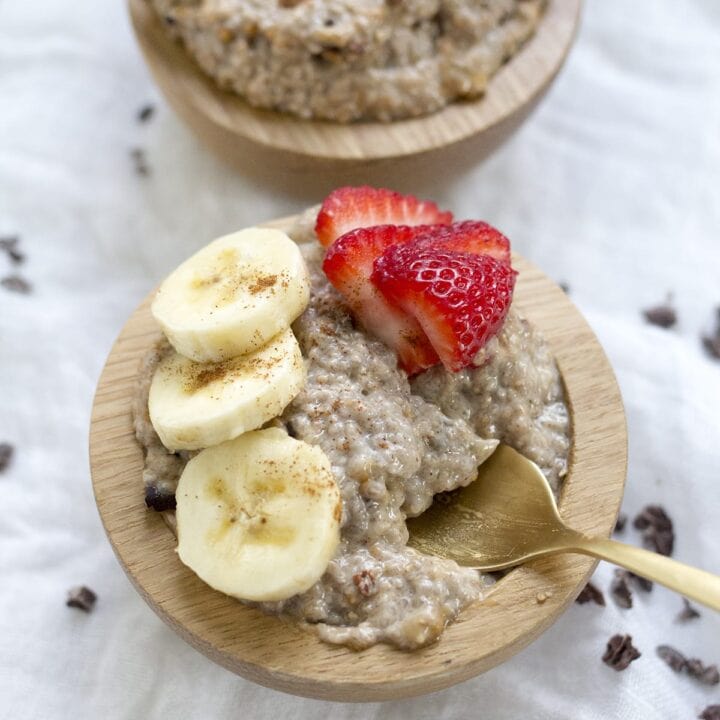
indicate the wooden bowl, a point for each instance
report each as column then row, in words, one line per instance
column 283, row 656
column 236, row 132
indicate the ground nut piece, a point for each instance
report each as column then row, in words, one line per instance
column 347, row 60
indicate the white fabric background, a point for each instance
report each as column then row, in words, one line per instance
column 613, row 185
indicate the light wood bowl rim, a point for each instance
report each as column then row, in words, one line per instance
column 217, row 115
column 283, row 656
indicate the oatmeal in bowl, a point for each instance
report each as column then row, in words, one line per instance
column 382, row 363
column 344, row 61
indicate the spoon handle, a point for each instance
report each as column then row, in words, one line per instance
column 689, row 581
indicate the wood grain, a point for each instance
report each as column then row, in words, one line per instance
column 237, row 132
column 283, row 656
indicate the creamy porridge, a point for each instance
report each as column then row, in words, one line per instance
column 393, row 445
column 346, row 60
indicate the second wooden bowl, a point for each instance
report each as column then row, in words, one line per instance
column 237, row 132
column 283, row 656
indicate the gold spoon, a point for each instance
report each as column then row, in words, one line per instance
column 508, row 515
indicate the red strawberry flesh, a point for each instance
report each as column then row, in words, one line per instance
column 348, row 208
column 460, row 299
column 471, row 236
column 348, row 265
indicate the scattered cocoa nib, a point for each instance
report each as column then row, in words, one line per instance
column 620, row 523
column 689, row 612
column 657, row 529
column 706, row 674
column 620, row 590
column 82, row 598
column 564, row 287
column 659, row 541
column 620, row 652
column 6, row 454
column 140, row 161
column 159, row 500
column 652, row 516
column 15, row 283
column 711, row 343
column 590, row 593
column 711, row 712
column 663, row 316
column 643, row 583
column 671, row 657
column 9, row 246
column 365, row 582
column 145, row 113
column 712, row 346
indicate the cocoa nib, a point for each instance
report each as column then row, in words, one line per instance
column 590, row 593
column 711, row 343
column 140, row 161
column 365, row 582
column 81, row 597
column 663, row 316
column 620, row 587
column 15, row 283
column 706, row 674
column 620, row 590
column 145, row 113
column 652, row 516
column 6, row 454
column 711, row 712
column 689, row 612
column 9, row 245
column 657, row 529
column 643, row 583
column 620, row 523
column 712, row 346
column 159, row 499
column 671, row 657
column 620, row 652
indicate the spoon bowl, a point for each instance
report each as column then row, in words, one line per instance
column 508, row 515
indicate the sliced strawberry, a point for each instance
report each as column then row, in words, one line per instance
column 348, row 265
column 472, row 236
column 348, row 208
column 459, row 299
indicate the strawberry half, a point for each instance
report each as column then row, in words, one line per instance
column 459, row 299
column 348, row 208
column 471, row 236
column 348, row 265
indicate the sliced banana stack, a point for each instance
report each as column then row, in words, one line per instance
column 233, row 296
column 258, row 513
column 258, row 517
column 197, row 405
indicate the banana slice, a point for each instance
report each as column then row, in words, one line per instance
column 258, row 517
column 196, row 405
column 232, row 296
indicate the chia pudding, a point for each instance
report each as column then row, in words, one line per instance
column 393, row 445
column 346, row 60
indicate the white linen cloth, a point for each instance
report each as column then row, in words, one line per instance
column 612, row 185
